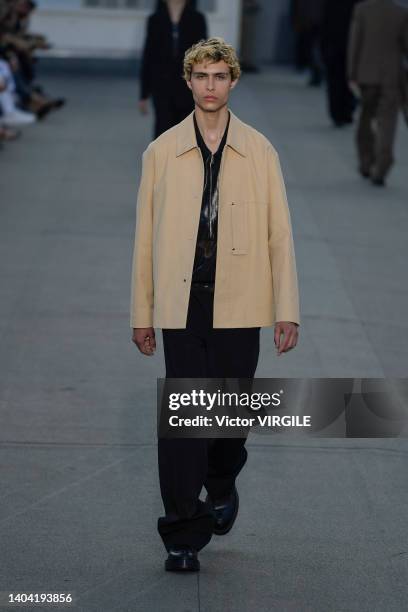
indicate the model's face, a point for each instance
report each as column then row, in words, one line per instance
column 211, row 84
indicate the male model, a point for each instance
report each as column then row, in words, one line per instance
column 213, row 263
column 378, row 42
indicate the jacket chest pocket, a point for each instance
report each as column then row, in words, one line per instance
column 239, row 227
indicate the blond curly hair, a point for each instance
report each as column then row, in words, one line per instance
column 211, row 50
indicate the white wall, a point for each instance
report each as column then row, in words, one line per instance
column 93, row 32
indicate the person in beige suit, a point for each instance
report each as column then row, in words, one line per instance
column 213, row 263
column 377, row 44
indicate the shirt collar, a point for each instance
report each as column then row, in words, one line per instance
column 186, row 135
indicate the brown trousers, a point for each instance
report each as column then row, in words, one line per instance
column 376, row 128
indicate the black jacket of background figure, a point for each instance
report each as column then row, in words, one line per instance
column 336, row 20
column 161, row 72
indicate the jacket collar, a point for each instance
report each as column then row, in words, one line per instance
column 186, row 138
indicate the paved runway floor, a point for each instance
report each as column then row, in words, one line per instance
column 323, row 521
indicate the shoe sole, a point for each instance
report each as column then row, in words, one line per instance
column 182, row 566
column 364, row 174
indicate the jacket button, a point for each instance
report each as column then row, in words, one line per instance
column 184, row 280
column 233, row 249
column 232, row 203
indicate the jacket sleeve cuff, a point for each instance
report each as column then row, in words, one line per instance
column 142, row 319
column 289, row 316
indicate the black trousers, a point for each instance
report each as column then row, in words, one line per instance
column 340, row 99
column 188, row 464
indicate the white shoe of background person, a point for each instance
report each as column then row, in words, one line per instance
column 17, row 117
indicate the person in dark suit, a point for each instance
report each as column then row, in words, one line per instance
column 172, row 29
column 377, row 46
column 335, row 28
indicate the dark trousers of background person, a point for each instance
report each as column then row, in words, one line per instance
column 308, row 53
column 376, row 128
column 188, row 464
column 340, row 99
column 169, row 111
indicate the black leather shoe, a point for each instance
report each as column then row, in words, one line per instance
column 378, row 182
column 225, row 512
column 182, row 560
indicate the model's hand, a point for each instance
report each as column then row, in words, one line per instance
column 144, row 106
column 145, row 340
column 286, row 336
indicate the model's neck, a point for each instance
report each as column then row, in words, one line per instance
column 175, row 8
column 212, row 125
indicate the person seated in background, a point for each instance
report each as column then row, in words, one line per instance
column 6, row 133
column 23, row 8
column 7, row 84
column 18, row 37
column 20, row 46
column 10, row 114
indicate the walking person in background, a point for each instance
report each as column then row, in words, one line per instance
column 378, row 42
column 174, row 27
column 334, row 39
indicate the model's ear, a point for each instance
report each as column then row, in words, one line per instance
column 233, row 83
column 188, row 84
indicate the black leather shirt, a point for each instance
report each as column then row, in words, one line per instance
column 206, row 246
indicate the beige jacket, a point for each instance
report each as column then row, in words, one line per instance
column 255, row 283
column 378, row 41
